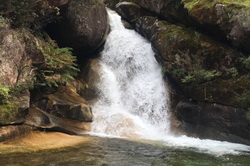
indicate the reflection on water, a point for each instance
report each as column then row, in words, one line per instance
column 120, row 152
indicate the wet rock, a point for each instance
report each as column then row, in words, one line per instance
column 214, row 121
column 91, row 77
column 130, row 11
column 44, row 120
column 11, row 132
column 84, row 26
column 65, row 103
column 199, row 64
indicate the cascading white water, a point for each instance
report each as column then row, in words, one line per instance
column 133, row 98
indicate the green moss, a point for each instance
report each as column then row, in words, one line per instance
column 29, row 13
column 192, row 4
column 245, row 63
column 8, row 108
column 243, row 98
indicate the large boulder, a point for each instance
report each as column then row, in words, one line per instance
column 214, row 121
column 224, row 20
column 200, row 65
column 65, row 103
column 63, row 111
column 84, row 26
column 44, row 120
column 231, row 19
column 18, row 56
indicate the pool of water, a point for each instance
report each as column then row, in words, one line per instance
column 121, row 152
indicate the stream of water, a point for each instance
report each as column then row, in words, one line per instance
column 133, row 99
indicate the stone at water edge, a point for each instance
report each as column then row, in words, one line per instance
column 213, row 121
column 66, row 103
column 44, row 120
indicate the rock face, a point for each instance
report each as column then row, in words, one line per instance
column 84, row 26
column 199, row 64
column 214, row 121
column 90, row 75
column 195, row 42
column 18, row 56
column 226, row 20
column 64, row 110
column 44, row 120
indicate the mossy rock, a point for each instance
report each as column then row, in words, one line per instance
column 183, row 48
column 205, row 69
column 226, row 20
column 231, row 18
column 233, row 92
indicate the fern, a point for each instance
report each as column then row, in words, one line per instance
column 59, row 67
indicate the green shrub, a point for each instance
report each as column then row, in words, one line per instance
column 245, row 62
column 4, row 93
column 59, row 67
column 29, row 13
column 8, row 108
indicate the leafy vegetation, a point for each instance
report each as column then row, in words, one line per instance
column 59, row 66
column 243, row 98
column 29, row 13
column 245, row 62
column 8, row 103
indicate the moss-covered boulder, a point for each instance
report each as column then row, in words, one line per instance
column 84, row 26
column 223, row 19
column 200, row 65
column 230, row 18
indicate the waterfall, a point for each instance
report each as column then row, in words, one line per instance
column 133, row 98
